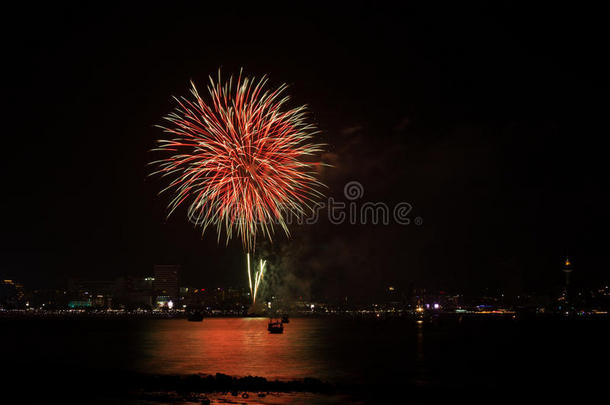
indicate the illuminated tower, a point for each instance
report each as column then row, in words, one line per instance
column 567, row 269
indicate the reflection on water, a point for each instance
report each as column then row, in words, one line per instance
column 420, row 341
column 271, row 398
column 234, row 346
column 330, row 350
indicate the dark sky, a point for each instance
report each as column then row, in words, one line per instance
column 487, row 120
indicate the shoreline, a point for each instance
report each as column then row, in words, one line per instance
column 430, row 316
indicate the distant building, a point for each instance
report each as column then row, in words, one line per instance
column 49, row 298
column 134, row 292
column 165, row 281
column 98, row 293
column 11, row 294
column 568, row 293
column 79, row 304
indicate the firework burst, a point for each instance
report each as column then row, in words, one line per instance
column 241, row 161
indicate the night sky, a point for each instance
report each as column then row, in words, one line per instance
column 487, row 120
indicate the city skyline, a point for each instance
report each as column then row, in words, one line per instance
column 165, row 288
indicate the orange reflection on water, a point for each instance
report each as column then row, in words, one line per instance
column 233, row 346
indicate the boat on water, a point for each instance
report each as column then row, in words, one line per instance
column 195, row 316
column 275, row 326
column 285, row 319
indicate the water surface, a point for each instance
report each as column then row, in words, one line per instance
column 363, row 355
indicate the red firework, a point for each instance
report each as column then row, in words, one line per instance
column 241, row 160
